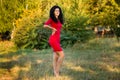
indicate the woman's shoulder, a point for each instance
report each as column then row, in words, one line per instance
column 50, row 19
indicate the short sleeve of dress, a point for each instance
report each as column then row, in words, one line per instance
column 48, row 22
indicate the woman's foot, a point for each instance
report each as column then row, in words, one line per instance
column 56, row 74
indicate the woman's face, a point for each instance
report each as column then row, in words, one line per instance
column 57, row 12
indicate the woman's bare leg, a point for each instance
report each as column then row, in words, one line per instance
column 59, row 61
column 55, row 60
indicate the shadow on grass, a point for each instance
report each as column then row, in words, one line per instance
column 92, row 71
column 89, row 65
column 30, row 64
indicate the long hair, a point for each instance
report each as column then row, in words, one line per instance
column 60, row 17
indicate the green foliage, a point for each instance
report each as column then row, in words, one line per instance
column 29, row 32
column 75, row 27
column 10, row 10
column 69, row 38
column 29, row 15
column 118, row 2
column 75, row 30
column 117, row 31
column 102, row 12
column 105, row 13
column 42, row 38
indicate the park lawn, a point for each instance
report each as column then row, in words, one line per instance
column 98, row 59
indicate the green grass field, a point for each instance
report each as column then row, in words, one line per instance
column 98, row 59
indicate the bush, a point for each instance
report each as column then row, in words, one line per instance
column 75, row 30
column 69, row 38
column 117, row 31
column 29, row 32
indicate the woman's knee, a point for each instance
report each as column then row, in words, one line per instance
column 61, row 54
column 55, row 55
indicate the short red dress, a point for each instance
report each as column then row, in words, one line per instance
column 54, row 40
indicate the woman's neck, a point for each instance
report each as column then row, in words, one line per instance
column 56, row 17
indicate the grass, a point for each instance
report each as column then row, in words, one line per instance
column 99, row 59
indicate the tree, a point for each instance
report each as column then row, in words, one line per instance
column 102, row 12
column 9, row 12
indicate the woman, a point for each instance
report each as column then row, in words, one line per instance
column 55, row 23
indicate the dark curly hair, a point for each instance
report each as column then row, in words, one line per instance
column 60, row 17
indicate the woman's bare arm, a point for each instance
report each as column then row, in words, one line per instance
column 53, row 29
column 47, row 26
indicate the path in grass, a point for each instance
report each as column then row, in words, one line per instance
column 97, row 60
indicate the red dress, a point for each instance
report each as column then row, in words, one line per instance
column 54, row 40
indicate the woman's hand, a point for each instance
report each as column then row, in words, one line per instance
column 53, row 31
